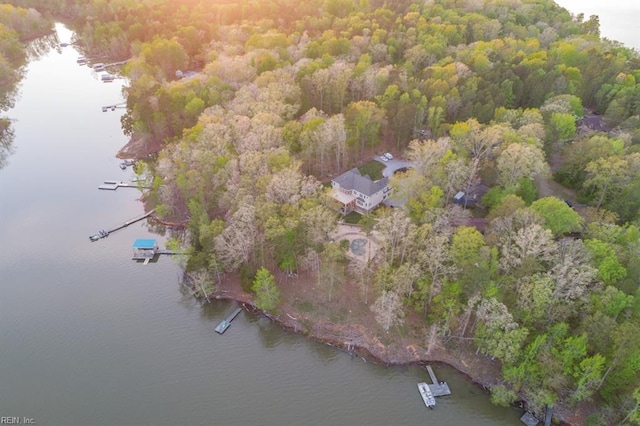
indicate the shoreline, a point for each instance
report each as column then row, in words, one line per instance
column 334, row 335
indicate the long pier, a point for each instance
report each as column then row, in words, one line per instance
column 112, row 185
column 113, row 107
column 105, row 233
column 222, row 327
column 115, row 64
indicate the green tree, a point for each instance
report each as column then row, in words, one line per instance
column 267, row 293
column 588, row 376
column 562, row 128
column 610, row 270
column 167, row 55
column 607, row 176
column 363, row 120
column 466, row 246
column 559, row 217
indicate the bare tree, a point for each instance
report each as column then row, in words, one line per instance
column 532, row 241
column 393, row 228
column 520, row 161
column 362, row 273
column 388, row 309
column 235, row 244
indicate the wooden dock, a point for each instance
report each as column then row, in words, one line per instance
column 157, row 253
column 548, row 415
column 437, row 388
column 222, row 327
column 169, row 252
column 112, row 185
column 105, row 233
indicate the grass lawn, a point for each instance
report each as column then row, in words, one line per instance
column 373, row 168
column 352, row 218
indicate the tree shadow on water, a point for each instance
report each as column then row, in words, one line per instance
column 6, row 141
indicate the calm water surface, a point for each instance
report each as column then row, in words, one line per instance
column 619, row 19
column 89, row 337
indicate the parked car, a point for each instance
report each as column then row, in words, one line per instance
column 388, row 156
column 384, row 158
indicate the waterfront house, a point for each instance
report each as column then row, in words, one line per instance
column 355, row 192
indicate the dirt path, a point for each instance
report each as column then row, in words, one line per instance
column 547, row 187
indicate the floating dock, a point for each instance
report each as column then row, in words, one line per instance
column 529, row 419
column 105, row 233
column 428, row 392
column 437, row 388
column 222, row 327
column 127, row 163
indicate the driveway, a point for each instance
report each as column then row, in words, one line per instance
column 392, row 165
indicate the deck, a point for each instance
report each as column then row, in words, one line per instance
column 437, row 388
column 222, row 327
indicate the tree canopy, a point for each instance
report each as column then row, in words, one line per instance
column 285, row 95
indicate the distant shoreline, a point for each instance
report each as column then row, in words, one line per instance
column 618, row 20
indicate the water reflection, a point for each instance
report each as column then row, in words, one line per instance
column 8, row 96
column 10, row 82
column 6, row 141
column 41, row 46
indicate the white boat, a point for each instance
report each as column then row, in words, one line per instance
column 426, row 395
column 98, row 67
column 107, row 78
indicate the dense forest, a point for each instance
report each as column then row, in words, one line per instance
column 540, row 273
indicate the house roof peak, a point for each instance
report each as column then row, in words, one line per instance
column 353, row 180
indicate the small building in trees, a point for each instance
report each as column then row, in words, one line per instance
column 355, row 192
column 185, row 74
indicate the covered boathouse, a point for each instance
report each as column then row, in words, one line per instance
column 144, row 249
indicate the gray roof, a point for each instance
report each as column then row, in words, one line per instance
column 352, row 179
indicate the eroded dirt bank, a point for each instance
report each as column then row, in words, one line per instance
column 356, row 339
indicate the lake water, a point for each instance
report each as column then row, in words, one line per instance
column 619, row 19
column 90, row 337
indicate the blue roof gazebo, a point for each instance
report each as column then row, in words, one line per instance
column 144, row 248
